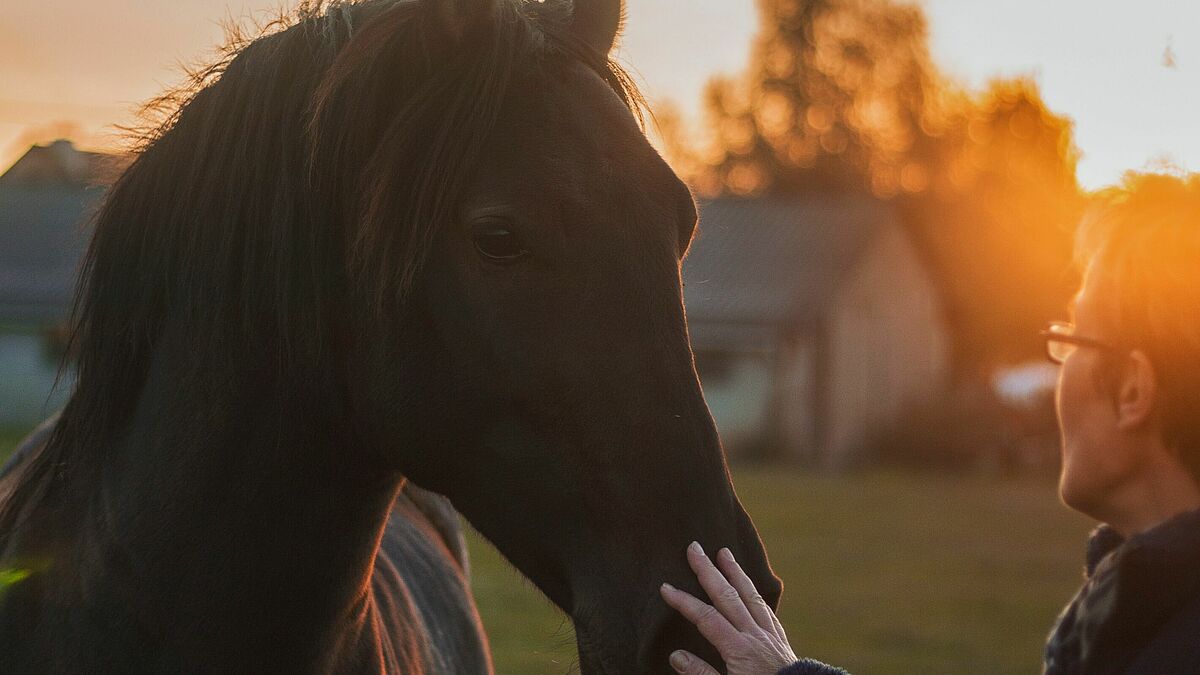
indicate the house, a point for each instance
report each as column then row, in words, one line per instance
column 45, row 199
column 816, row 325
column 814, row 320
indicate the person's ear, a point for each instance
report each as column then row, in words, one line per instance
column 1137, row 395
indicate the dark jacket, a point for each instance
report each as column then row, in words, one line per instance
column 811, row 667
column 1139, row 610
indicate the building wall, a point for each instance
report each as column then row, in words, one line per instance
column 795, row 423
column 737, row 388
column 887, row 347
column 27, row 392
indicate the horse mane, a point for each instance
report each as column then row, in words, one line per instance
column 312, row 164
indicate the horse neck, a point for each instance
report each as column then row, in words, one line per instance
column 243, row 502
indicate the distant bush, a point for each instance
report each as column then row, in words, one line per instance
column 9, row 437
column 55, row 341
column 970, row 431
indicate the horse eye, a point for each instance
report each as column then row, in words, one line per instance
column 496, row 242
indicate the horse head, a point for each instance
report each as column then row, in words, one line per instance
column 421, row 238
column 534, row 364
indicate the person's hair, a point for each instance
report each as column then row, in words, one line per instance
column 1140, row 247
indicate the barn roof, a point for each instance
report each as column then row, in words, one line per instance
column 754, row 265
column 763, row 263
column 46, row 198
column 61, row 163
column 41, row 242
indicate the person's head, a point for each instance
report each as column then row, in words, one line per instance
column 1129, row 396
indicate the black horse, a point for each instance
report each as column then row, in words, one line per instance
column 418, row 240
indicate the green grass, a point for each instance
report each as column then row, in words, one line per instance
column 527, row 634
column 8, row 441
column 884, row 573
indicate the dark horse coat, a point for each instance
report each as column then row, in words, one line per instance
column 421, row 573
column 392, row 241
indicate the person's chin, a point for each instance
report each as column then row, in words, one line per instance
column 1073, row 490
column 1071, row 496
column 1086, row 497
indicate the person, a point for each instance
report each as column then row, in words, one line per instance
column 1128, row 404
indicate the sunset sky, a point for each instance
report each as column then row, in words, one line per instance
column 1128, row 74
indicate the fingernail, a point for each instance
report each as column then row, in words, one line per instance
column 696, row 548
column 667, row 587
column 679, row 661
column 726, row 553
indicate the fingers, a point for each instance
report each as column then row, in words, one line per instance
column 741, row 626
column 725, row 597
column 714, row 627
column 751, row 598
column 687, row 663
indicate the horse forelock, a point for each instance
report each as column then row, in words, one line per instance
column 412, row 156
column 317, row 160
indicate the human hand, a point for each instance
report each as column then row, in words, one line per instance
column 741, row 625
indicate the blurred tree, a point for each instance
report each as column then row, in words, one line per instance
column 998, row 221
column 843, row 95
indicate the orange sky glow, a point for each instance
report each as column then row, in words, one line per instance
column 1128, row 75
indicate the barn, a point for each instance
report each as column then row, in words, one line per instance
column 815, row 322
column 45, row 198
column 816, row 325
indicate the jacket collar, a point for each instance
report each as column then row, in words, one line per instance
column 1134, row 586
column 1103, row 540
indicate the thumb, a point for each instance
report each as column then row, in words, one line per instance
column 687, row 663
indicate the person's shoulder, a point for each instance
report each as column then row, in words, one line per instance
column 1174, row 649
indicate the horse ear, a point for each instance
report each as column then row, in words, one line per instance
column 598, row 23
column 459, row 19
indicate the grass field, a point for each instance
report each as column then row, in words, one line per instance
column 8, row 440
column 884, row 573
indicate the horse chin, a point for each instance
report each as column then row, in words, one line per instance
column 591, row 664
column 596, row 658
column 612, row 649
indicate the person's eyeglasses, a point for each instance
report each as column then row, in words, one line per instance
column 1061, row 342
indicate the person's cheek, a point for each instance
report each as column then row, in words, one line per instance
column 1070, row 402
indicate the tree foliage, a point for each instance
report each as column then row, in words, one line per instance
column 843, row 95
